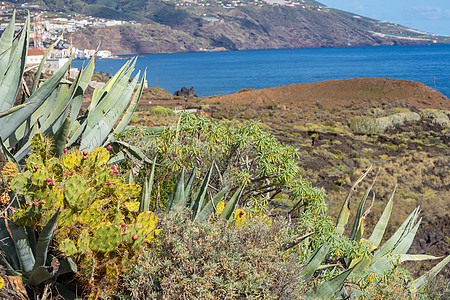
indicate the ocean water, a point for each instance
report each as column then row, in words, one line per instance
column 214, row 73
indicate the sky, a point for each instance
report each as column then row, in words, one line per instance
column 431, row 16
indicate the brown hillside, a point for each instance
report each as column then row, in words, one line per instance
column 340, row 93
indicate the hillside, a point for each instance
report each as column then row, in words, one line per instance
column 205, row 25
column 318, row 118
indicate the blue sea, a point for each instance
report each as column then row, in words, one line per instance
column 214, row 73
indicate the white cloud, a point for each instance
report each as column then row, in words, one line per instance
column 429, row 13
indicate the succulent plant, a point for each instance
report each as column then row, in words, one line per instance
column 56, row 102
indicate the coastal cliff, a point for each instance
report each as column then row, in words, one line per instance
column 247, row 27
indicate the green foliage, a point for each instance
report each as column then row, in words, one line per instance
column 100, row 224
column 161, row 111
column 368, row 125
column 400, row 119
column 238, row 152
column 212, row 260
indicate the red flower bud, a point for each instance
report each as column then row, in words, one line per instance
column 42, row 202
column 65, row 151
column 123, row 224
column 84, row 157
column 68, row 173
column 125, row 232
column 85, row 153
column 35, row 203
column 109, row 147
column 51, row 183
column 62, row 251
column 36, row 167
column 11, row 208
column 113, row 167
column 27, row 203
column 242, row 213
column 108, row 183
column 48, row 179
column 135, row 237
column 116, row 171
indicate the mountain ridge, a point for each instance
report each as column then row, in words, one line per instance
column 190, row 26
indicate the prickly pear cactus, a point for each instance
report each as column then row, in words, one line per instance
column 74, row 187
column 106, row 239
column 99, row 223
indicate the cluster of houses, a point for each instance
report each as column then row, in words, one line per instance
column 45, row 30
column 235, row 3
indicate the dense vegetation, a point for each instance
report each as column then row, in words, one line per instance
column 94, row 209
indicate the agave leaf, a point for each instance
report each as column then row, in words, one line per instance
column 345, row 210
column 134, row 151
column 358, row 224
column 24, row 252
column 199, row 198
column 41, row 66
column 8, row 250
column 208, row 209
column 66, row 293
column 231, row 205
column 380, row 228
column 189, row 184
column 10, row 271
column 39, row 276
column 415, row 257
column 176, row 199
column 297, row 241
column 44, row 241
column 10, row 83
column 384, row 264
column 100, row 93
column 101, row 121
column 67, row 266
column 128, row 113
column 397, row 236
column 363, row 263
column 315, row 260
column 31, row 239
column 60, row 139
column 5, row 45
column 12, row 110
column 145, row 201
column 419, row 282
column 14, row 121
column 327, row 289
column 77, row 101
column 8, row 154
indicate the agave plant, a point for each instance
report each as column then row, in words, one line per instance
column 53, row 107
column 202, row 208
column 22, row 255
column 386, row 256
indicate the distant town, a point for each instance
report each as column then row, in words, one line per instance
column 48, row 26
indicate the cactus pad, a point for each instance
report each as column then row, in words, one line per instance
column 67, row 248
column 74, row 188
column 106, row 239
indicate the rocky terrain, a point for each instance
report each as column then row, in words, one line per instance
column 412, row 151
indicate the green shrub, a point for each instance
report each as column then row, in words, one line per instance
column 441, row 121
column 430, row 113
column 215, row 261
column 161, row 111
column 400, row 119
column 370, row 125
column 397, row 110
